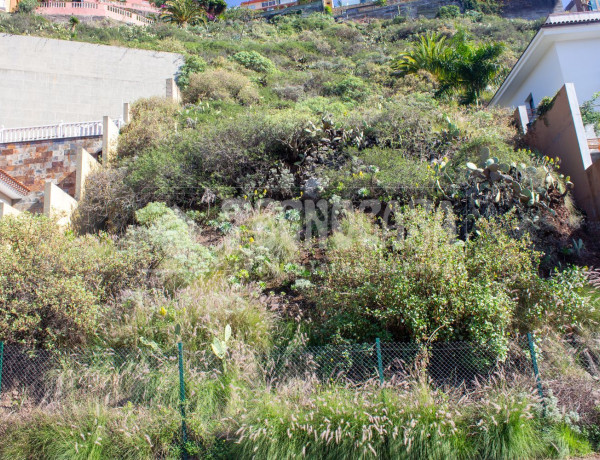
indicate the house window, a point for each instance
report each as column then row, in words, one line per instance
column 530, row 106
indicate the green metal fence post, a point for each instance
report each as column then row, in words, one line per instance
column 379, row 360
column 535, row 366
column 1, row 362
column 182, row 402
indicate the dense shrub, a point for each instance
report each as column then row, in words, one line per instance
column 151, row 121
column 202, row 310
column 254, row 61
column 260, row 249
column 169, row 242
column 220, row 85
column 27, row 6
column 193, row 64
column 108, row 203
column 449, row 11
column 424, row 284
column 54, row 286
column 349, row 89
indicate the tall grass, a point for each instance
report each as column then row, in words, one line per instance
column 301, row 419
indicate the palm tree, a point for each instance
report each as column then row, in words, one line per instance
column 476, row 68
column 183, row 12
column 458, row 64
column 430, row 53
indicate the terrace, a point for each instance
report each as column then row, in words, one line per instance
column 127, row 12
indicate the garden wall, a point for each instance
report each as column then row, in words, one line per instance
column 35, row 162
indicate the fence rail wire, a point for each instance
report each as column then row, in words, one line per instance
column 150, row 377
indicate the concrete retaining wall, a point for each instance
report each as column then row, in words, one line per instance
column 528, row 9
column 45, row 81
column 560, row 133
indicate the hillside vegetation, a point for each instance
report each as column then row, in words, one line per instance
column 242, row 208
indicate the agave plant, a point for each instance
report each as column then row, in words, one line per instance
column 183, row 12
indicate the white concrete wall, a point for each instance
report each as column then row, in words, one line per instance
column 5, row 199
column 85, row 165
column 58, row 204
column 7, row 210
column 45, row 81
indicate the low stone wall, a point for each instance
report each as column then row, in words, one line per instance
column 35, row 162
column 527, row 9
column 410, row 9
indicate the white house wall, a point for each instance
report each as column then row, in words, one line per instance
column 545, row 80
column 586, row 77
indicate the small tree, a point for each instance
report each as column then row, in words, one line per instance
column 27, row 6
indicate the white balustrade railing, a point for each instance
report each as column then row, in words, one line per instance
column 90, row 5
column 118, row 10
column 57, row 131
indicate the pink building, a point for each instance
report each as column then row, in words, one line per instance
column 134, row 12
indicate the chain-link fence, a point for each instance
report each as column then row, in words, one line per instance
column 151, row 377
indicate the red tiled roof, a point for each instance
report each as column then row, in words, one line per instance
column 13, row 183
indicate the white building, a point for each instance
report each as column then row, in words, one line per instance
column 566, row 49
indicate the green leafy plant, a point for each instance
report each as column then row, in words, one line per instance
column 193, row 64
column 448, row 11
column 350, row 88
column 27, row 6
column 167, row 238
column 544, row 106
column 589, row 114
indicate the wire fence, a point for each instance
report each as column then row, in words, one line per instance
column 153, row 377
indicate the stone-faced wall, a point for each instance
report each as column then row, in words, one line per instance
column 35, row 162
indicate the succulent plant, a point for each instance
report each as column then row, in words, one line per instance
column 219, row 347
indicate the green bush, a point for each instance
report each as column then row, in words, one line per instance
column 151, row 121
column 202, row 310
column 588, row 113
column 108, row 203
column 169, row 243
column 350, row 88
column 260, row 249
column 220, row 85
column 484, row 6
column 27, row 6
column 54, row 286
column 449, row 11
column 254, row 61
column 193, row 64
column 422, row 282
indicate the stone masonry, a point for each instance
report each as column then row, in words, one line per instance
column 35, row 162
